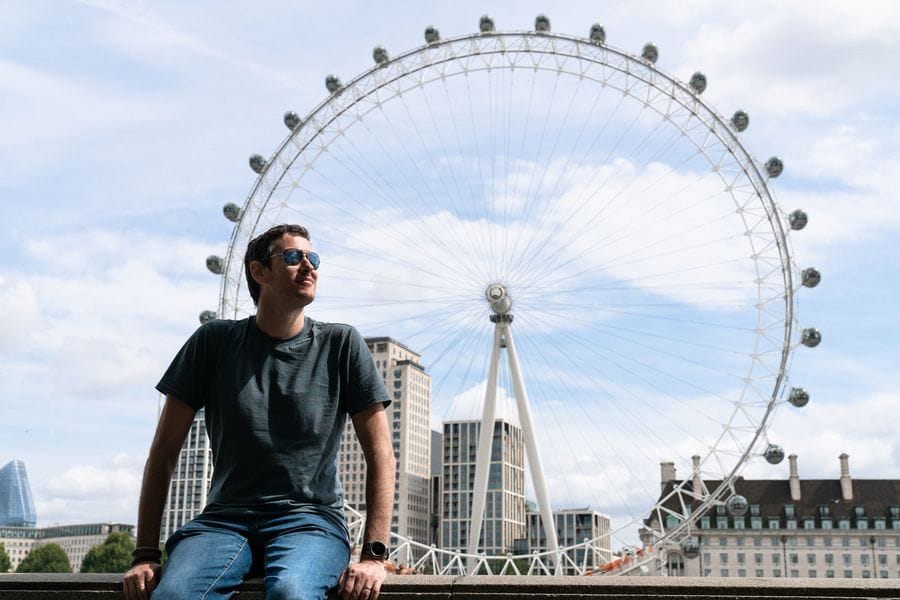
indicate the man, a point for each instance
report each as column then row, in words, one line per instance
column 276, row 388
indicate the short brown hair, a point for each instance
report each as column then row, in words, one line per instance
column 260, row 248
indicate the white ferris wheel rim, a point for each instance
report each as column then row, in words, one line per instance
column 601, row 64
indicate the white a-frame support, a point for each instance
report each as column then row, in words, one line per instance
column 503, row 339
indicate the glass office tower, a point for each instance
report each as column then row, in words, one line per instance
column 16, row 502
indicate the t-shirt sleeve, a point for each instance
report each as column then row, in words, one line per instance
column 184, row 378
column 365, row 385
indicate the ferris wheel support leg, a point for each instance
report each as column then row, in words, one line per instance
column 483, row 453
column 534, row 455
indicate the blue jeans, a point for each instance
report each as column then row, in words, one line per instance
column 300, row 555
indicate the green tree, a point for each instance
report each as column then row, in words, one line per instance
column 112, row 556
column 5, row 563
column 47, row 558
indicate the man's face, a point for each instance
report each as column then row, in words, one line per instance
column 292, row 281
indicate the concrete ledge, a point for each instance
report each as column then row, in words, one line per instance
column 35, row 586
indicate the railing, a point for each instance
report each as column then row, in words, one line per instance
column 35, row 586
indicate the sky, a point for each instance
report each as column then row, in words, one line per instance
column 127, row 125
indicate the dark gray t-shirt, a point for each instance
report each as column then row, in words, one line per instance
column 275, row 410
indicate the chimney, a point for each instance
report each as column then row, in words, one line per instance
column 846, row 482
column 697, row 482
column 795, row 479
column 666, row 473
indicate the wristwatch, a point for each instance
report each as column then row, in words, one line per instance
column 375, row 549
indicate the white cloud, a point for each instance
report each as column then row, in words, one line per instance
column 86, row 493
column 822, row 430
column 20, row 316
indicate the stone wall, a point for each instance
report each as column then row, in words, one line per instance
column 425, row 587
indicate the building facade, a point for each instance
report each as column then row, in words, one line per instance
column 820, row 528
column 409, row 416
column 504, row 514
column 16, row 501
column 75, row 540
column 574, row 526
column 189, row 488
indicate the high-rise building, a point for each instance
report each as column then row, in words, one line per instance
column 434, row 524
column 816, row 528
column 504, row 513
column 409, row 415
column 16, row 502
column 191, row 480
column 574, row 526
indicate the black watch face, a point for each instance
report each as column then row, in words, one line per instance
column 377, row 549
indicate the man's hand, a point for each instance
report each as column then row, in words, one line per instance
column 140, row 580
column 362, row 580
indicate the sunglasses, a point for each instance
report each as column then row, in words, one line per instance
column 294, row 256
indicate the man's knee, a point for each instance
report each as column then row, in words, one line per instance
column 292, row 589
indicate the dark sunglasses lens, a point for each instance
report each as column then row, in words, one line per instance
column 292, row 257
column 295, row 257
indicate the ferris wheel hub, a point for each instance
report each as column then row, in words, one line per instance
column 498, row 297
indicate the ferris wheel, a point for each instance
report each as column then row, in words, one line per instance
column 566, row 234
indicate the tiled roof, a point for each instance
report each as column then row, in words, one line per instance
column 877, row 496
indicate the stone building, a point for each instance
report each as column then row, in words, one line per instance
column 813, row 528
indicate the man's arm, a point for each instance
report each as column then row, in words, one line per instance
column 174, row 424
column 363, row 580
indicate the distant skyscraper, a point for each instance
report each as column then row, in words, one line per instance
column 437, row 462
column 504, row 511
column 16, row 502
column 191, row 480
column 573, row 527
column 409, row 388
